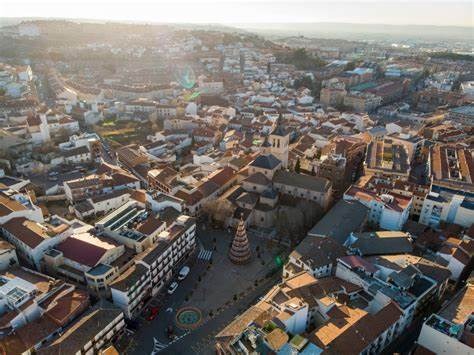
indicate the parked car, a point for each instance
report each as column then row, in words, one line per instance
column 153, row 313
column 183, row 272
column 172, row 287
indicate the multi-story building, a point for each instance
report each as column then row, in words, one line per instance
column 387, row 184
column 35, row 309
column 332, row 96
column 102, row 204
column 459, row 255
column 174, row 245
column 32, row 239
column 408, row 287
column 334, row 168
column 156, row 266
column 362, row 102
column 87, row 259
column 18, row 205
column 443, row 204
column 388, row 211
column 387, row 157
column 451, row 330
column 131, row 290
column 315, row 255
column 452, row 166
column 94, row 332
column 166, row 111
column 307, row 315
column 132, row 226
column 164, row 180
column 106, row 179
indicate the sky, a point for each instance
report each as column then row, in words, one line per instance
column 397, row 12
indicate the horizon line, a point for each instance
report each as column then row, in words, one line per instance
column 52, row 18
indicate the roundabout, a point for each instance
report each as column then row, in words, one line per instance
column 188, row 317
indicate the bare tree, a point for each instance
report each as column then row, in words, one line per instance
column 219, row 210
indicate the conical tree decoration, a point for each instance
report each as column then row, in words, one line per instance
column 240, row 250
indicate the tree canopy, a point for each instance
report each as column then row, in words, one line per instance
column 301, row 59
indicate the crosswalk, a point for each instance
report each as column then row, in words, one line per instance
column 205, row 254
column 157, row 346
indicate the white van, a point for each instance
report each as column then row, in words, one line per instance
column 183, row 273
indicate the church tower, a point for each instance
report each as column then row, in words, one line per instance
column 280, row 141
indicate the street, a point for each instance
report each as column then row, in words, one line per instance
column 217, row 307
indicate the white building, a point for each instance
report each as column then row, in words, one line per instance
column 32, row 239
column 8, row 256
column 160, row 262
column 16, row 205
column 387, row 211
column 447, row 205
column 449, row 331
column 92, row 333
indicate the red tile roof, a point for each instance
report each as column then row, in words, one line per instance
column 26, row 231
column 355, row 261
column 223, row 176
column 81, row 251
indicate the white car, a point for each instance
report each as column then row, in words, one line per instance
column 172, row 287
column 183, row 273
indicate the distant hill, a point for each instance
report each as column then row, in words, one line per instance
column 348, row 31
column 362, row 31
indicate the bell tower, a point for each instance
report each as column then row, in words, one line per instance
column 280, row 141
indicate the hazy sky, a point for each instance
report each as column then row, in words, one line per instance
column 424, row 12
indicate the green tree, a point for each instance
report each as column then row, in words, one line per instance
column 301, row 59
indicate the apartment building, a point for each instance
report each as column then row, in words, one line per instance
column 451, row 330
column 387, row 157
column 156, row 266
column 408, row 287
column 315, row 255
column 388, row 211
column 443, row 204
column 91, row 334
column 283, row 320
column 173, row 246
column 88, row 259
column 362, row 102
column 35, row 309
column 452, row 166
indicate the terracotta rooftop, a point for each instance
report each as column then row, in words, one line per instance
column 8, row 205
column 85, row 249
column 29, row 232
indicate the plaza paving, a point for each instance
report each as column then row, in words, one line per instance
column 224, row 280
column 213, row 295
